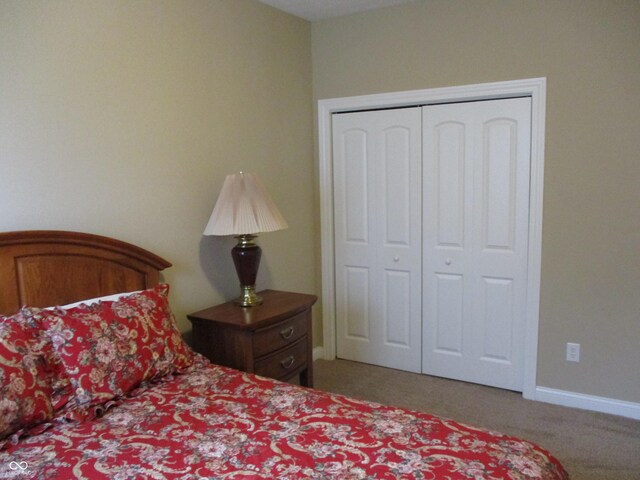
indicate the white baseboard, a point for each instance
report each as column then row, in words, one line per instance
column 588, row 402
column 318, row 352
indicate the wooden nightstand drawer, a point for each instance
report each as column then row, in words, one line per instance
column 284, row 363
column 267, row 340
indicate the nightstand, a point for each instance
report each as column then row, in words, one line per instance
column 272, row 339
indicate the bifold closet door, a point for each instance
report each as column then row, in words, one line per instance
column 476, row 214
column 377, row 216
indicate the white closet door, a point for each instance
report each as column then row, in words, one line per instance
column 377, row 214
column 476, row 212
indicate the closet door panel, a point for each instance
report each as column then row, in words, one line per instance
column 497, row 319
column 397, row 308
column 447, row 184
column 476, row 207
column 377, row 171
column 356, row 304
column 448, row 314
column 354, row 173
column 499, row 183
column 396, row 185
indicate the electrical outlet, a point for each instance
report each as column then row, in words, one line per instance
column 573, row 352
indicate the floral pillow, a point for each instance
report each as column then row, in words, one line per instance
column 25, row 383
column 110, row 347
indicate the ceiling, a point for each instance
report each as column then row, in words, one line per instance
column 314, row 10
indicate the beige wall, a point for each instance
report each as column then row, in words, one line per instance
column 123, row 117
column 590, row 53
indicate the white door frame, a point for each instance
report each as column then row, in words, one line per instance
column 536, row 89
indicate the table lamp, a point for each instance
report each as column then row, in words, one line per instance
column 244, row 209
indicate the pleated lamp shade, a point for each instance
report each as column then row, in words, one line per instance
column 244, row 207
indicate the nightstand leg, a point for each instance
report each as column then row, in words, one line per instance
column 306, row 378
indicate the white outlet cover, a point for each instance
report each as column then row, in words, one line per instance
column 573, row 352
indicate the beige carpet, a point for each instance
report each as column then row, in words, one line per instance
column 591, row 446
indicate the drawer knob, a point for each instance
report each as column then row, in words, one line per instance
column 287, row 363
column 287, row 332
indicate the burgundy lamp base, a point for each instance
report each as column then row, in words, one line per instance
column 246, row 257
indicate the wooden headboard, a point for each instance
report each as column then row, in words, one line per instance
column 42, row 268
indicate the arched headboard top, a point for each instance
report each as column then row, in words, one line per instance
column 48, row 267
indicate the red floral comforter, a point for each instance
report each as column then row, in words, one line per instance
column 213, row 422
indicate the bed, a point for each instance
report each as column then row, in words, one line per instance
column 143, row 405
